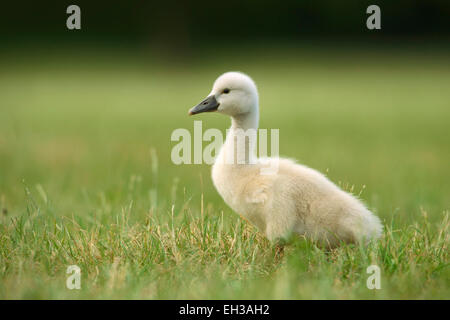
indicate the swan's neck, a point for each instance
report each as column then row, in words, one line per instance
column 245, row 121
column 240, row 145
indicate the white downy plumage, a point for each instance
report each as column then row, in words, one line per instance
column 294, row 198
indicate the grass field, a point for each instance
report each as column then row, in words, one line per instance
column 86, row 176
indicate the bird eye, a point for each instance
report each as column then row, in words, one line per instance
column 226, row 90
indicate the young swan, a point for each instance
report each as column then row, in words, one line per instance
column 291, row 199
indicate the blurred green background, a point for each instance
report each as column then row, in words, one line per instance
column 87, row 121
column 86, row 116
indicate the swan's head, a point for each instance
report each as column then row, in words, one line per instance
column 233, row 94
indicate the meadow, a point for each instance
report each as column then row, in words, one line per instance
column 86, row 176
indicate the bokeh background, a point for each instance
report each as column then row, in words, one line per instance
column 86, row 115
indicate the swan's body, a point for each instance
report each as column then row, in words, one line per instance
column 294, row 198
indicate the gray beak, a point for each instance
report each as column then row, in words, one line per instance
column 210, row 104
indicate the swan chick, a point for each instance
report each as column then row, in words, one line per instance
column 293, row 200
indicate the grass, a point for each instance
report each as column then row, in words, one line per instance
column 86, row 176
